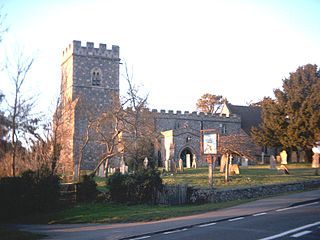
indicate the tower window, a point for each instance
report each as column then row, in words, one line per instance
column 96, row 77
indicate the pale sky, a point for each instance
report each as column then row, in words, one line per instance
column 176, row 50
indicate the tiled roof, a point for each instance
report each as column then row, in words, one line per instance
column 250, row 116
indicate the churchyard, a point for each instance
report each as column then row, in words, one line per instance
column 252, row 175
column 249, row 176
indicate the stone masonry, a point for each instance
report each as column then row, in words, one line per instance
column 90, row 79
column 90, row 83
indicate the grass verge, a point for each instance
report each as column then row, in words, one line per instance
column 121, row 213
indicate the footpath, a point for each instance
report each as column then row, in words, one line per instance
column 137, row 230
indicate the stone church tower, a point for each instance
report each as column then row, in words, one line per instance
column 90, row 81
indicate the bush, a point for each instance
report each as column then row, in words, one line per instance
column 139, row 187
column 31, row 193
column 87, row 189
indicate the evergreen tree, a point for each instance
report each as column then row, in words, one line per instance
column 292, row 119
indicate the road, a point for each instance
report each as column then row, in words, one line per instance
column 298, row 222
column 280, row 217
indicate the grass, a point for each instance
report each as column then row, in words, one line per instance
column 121, row 213
column 9, row 234
column 250, row 176
column 117, row 213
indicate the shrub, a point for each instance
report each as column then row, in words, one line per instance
column 87, row 189
column 31, row 193
column 139, row 187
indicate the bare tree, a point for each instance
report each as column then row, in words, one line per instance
column 3, row 28
column 109, row 127
column 22, row 122
column 139, row 126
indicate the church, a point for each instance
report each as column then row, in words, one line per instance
column 92, row 73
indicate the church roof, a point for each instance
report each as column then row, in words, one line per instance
column 250, row 116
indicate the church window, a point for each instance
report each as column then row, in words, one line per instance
column 96, row 77
column 223, row 129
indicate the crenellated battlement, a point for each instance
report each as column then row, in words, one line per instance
column 89, row 50
column 187, row 114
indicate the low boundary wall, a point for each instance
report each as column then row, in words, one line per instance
column 182, row 194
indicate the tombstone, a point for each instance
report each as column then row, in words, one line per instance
column 167, row 165
column 180, row 165
column 283, row 156
column 101, row 172
column 194, row 161
column 262, row 158
column 224, row 160
column 302, row 156
column 273, row 164
column 173, row 167
column 244, row 162
column 315, row 160
column 294, row 157
column 188, row 161
column 234, row 169
column 145, row 163
column 123, row 169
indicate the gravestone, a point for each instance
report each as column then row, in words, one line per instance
column 194, row 161
column 315, row 160
column 283, row 156
column 145, row 163
column 167, row 165
column 302, row 156
column 123, row 167
column 180, row 165
column 273, row 164
column 262, row 158
column 234, row 169
column 101, row 171
column 244, row 162
column 294, row 157
column 173, row 166
column 224, row 160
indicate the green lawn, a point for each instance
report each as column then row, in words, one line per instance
column 115, row 213
column 250, row 176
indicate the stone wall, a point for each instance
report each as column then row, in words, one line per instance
column 214, row 196
column 200, row 195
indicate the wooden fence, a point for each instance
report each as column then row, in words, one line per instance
column 173, row 195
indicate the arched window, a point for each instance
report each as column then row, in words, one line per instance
column 96, row 77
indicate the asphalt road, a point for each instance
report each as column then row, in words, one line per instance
column 270, row 218
column 298, row 222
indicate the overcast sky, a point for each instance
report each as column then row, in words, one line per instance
column 175, row 50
